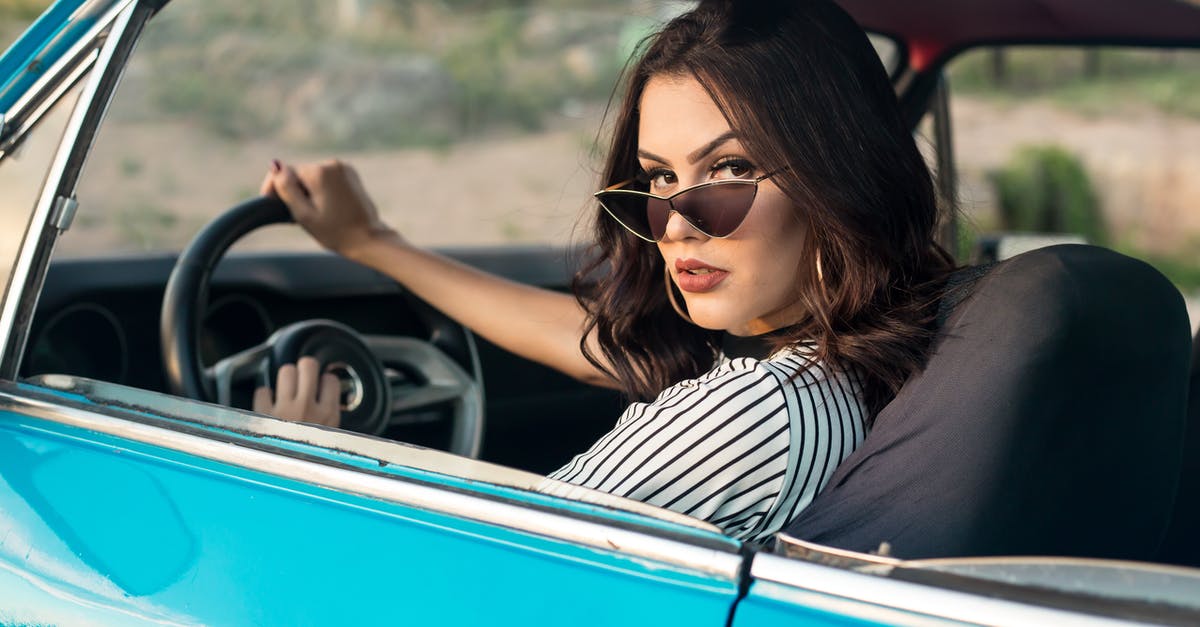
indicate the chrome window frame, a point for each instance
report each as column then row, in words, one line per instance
column 103, row 51
column 40, row 87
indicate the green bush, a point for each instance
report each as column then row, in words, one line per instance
column 1045, row 189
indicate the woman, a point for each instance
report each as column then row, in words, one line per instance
column 792, row 215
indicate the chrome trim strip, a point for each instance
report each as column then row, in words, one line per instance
column 36, row 94
column 369, row 447
column 64, row 83
column 18, row 306
column 804, row 550
column 1170, row 570
column 720, row 564
column 874, row 590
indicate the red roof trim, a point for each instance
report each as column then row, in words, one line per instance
column 930, row 28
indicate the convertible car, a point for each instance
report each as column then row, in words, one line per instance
column 1043, row 470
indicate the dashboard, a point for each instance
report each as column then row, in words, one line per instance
column 99, row 318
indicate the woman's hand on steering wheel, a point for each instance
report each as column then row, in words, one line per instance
column 302, row 394
column 329, row 201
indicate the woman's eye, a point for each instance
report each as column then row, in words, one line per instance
column 661, row 179
column 733, row 169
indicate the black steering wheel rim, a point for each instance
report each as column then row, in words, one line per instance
column 186, row 295
column 444, row 378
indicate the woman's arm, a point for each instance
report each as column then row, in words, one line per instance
column 329, row 201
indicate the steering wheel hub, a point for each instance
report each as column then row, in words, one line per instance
column 350, row 386
column 364, row 388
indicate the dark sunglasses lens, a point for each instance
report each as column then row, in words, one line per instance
column 628, row 209
column 658, row 212
column 719, row 209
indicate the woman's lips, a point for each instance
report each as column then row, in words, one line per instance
column 696, row 276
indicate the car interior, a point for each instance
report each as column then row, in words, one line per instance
column 100, row 320
column 1057, row 424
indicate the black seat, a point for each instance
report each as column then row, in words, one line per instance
column 1048, row 421
column 1182, row 545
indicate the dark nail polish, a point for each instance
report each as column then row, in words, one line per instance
column 276, row 165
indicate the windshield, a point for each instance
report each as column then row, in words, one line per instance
column 471, row 123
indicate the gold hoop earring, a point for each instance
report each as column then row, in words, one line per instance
column 670, row 285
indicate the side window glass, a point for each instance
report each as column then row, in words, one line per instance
column 471, row 123
column 1080, row 144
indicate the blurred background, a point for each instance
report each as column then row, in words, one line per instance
column 482, row 123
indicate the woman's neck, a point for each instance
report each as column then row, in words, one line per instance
column 758, row 346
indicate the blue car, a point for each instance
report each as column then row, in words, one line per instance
column 136, row 487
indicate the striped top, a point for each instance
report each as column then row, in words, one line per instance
column 745, row 446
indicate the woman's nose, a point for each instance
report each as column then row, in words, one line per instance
column 678, row 228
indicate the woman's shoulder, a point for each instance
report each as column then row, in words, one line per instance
column 797, row 364
column 787, row 370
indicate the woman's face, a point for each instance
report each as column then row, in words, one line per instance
column 744, row 283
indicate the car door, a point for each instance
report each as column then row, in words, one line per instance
column 127, row 505
column 121, row 505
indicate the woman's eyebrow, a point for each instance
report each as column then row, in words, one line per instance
column 700, row 152
column 697, row 154
column 646, row 154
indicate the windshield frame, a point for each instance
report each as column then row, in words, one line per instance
column 99, row 54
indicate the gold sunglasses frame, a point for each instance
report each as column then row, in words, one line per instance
column 616, row 189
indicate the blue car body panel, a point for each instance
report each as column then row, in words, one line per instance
column 768, row 604
column 97, row 525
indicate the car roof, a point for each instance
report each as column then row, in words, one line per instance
column 933, row 30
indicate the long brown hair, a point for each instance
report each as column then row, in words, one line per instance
column 803, row 88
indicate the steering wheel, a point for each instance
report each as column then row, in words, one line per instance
column 367, row 367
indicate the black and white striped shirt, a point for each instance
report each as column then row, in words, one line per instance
column 745, row 446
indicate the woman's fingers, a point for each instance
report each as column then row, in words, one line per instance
column 274, row 179
column 292, row 191
column 285, row 385
column 262, row 401
column 329, row 400
column 267, row 188
column 302, row 394
column 329, row 201
column 308, row 373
